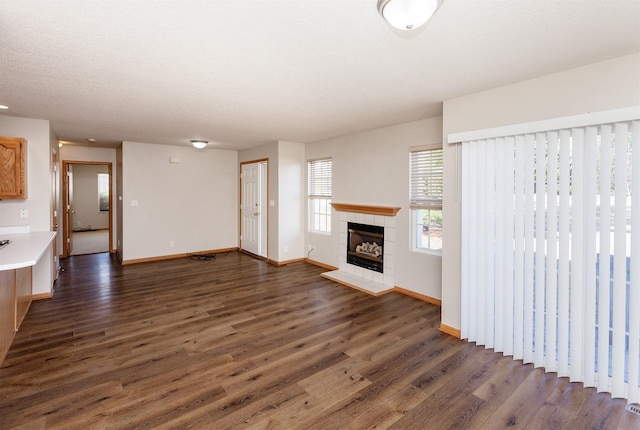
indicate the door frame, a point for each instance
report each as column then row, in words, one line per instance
column 265, row 233
column 54, row 197
column 65, row 197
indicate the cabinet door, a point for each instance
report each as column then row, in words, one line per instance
column 7, row 310
column 23, row 294
column 12, row 168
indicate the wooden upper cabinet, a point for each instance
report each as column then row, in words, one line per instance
column 13, row 166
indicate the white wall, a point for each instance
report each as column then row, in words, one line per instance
column 86, row 204
column 291, row 199
column 601, row 86
column 372, row 168
column 193, row 203
column 38, row 203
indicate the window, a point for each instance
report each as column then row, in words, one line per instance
column 425, row 191
column 103, row 191
column 319, row 176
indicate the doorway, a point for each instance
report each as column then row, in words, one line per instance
column 87, row 207
column 254, row 211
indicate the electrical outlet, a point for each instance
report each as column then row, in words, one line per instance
column 312, row 248
column 171, row 244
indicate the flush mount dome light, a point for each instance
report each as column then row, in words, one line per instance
column 199, row 143
column 407, row 14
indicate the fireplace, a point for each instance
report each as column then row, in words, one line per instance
column 373, row 278
column 364, row 246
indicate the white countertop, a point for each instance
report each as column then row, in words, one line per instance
column 25, row 249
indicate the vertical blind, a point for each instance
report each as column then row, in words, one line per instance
column 319, row 177
column 551, row 251
column 425, row 176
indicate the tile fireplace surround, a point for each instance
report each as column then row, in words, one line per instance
column 366, row 280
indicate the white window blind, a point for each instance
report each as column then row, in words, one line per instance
column 320, row 173
column 551, row 251
column 425, row 178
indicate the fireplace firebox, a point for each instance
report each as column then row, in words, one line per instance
column 364, row 246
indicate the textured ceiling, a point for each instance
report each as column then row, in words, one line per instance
column 240, row 73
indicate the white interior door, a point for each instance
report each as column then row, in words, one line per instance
column 253, row 237
column 262, row 245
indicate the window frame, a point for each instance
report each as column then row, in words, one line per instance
column 319, row 191
column 103, row 194
column 426, row 180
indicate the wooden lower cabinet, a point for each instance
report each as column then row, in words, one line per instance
column 7, row 313
column 15, row 299
column 23, row 294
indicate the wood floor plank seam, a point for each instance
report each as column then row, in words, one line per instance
column 236, row 342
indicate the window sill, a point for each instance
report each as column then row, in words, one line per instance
column 427, row 252
column 322, row 233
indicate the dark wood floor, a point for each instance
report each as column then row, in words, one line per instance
column 237, row 343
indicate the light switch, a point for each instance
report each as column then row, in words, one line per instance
column 134, row 203
column 272, row 202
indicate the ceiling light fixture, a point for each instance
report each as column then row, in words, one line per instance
column 407, row 14
column 4, row 107
column 199, row 143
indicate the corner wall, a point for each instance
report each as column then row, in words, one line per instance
column 38, row 202
column 291, row 199
column 372, row 168
column 176, row 208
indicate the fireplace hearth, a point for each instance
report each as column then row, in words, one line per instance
column 364, row 246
